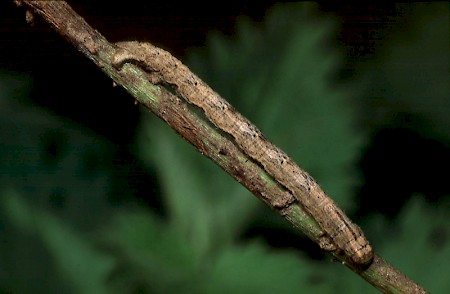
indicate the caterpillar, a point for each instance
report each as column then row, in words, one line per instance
column 161, row 66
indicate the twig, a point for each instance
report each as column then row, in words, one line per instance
column 205, row 138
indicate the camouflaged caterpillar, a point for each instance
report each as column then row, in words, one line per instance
column 339, row 233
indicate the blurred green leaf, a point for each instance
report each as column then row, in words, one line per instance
column 61, row 179
column 80, row 265
column 255, row 269
column 156, row 258
column 421, row 246
column 153, row 257
column 56, row 163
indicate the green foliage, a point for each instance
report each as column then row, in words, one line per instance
column 59, row 165
column 255, row 269
column 157, row 258
column 424, row 232
column 52, row 183
column 151, row 256
column 79, row 266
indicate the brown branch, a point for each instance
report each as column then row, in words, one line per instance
column 202, row 136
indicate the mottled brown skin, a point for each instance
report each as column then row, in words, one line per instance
column 339, row 232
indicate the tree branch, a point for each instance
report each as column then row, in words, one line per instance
column 206, row 139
